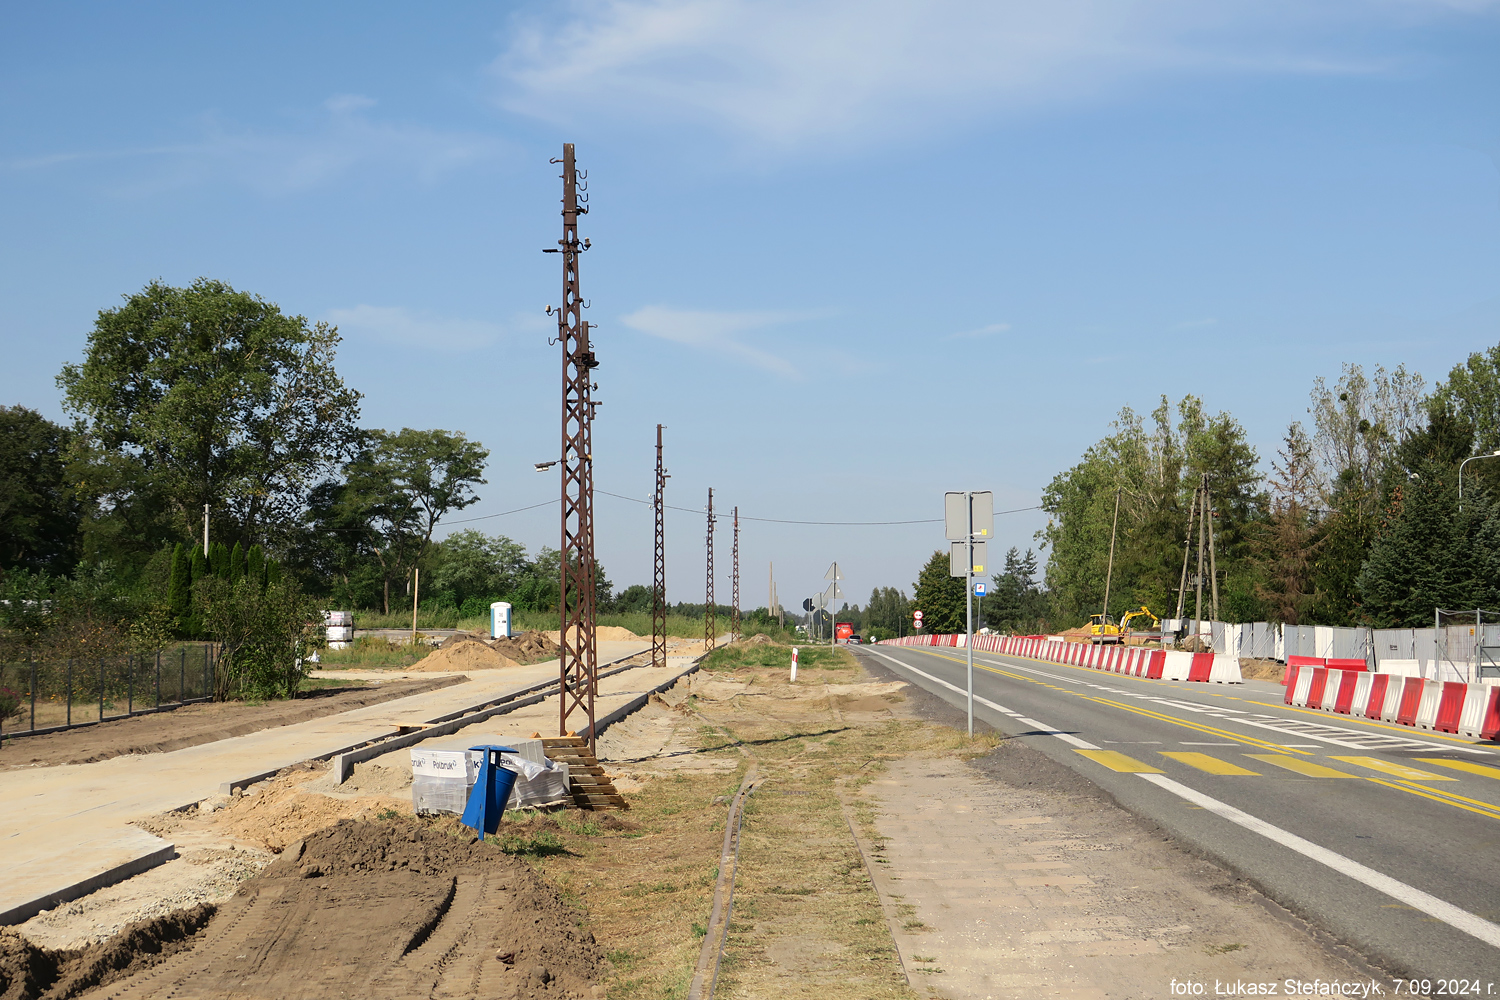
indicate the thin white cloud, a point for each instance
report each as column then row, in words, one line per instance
column 331, row 144
column 980, row 333
column 417, row 328
column 717, row 331
column 790, row 73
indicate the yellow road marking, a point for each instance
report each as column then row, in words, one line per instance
column 1148, row 713
column 1299, row 765
column 1463, row 765
column 1204, row 762
column 1390, row 767
column 1446, row 798
column 1116, row 761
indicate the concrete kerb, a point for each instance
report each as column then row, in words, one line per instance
column 635, row 704
column 345, row 758
column 119, row 873
column 153, row 855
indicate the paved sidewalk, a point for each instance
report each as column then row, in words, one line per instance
column 997, row 891
column 65, row 830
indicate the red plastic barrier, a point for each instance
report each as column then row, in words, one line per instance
column 1489, row 726
column 1349, row 664
column 1201, row 667
column 1411, row 700
column 1451, row 707
column 1379, row 684
column 1344, row 700
column 1289, row 678
column 1315, row 693
column 1157, row 664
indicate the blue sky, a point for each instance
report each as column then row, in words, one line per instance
column 851, row 254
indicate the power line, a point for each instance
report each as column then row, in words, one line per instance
column 518, row 510
column 778, row 520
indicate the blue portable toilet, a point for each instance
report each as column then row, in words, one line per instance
column 500, row 620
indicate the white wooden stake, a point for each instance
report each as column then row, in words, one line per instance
column 794, row 665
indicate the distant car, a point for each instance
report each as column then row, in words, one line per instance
column 856, row 639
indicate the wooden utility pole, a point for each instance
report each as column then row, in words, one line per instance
column 1110, row 572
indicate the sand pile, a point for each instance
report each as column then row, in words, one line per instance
column 468, row 654
column 528, row 647
column 602, row 633
column 28, row 972
column 385, row 910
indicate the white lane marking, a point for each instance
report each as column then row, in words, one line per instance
column 1342, row 737
column 1449, row 914
column 1187, row 744
column 1046, row 730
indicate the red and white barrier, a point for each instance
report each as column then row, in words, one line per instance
column 1471, row 710
column 1137, row 661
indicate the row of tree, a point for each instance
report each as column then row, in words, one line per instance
column 1359, row 520
column 210, row 402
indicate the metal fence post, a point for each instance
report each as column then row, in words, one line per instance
column 70, row 690
column 31, row 662
column 101, row 689
column 158, row 680
column 130, row 684
column 182, row 678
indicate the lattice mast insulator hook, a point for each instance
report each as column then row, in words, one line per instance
column 710, row 623
column 577, row 659
column 659, row 566
column 734, row 621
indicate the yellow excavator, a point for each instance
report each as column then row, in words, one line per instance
column 1104, row 631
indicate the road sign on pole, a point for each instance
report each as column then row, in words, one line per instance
column 980, row 588
column 968, row 521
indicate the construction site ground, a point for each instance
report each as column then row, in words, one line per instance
column 995, row 872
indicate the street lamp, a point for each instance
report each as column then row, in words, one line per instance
column 1471, row 458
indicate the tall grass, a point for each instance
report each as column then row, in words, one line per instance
column 681, row 626
column 373, row 652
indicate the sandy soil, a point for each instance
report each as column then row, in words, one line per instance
column 391, row 908
column 603, row 633
column 192, row 725
column 1262, row 670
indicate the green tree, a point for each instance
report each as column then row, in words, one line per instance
column 398, row 488
column 263, row 635
column 1288, row 545
column 1017, row 603
column 208, row 395
column 887, row 613
column 39, row 511
column 180, row 589
column 470, row 564
column 1153, row 469
column 940, row 597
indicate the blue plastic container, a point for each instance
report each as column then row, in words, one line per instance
column 491, row 792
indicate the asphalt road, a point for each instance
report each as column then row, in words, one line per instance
column 1384, row 836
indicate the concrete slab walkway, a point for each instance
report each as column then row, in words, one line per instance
column 65, row 831
column 995, row 891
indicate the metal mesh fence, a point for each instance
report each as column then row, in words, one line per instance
column 56, row 694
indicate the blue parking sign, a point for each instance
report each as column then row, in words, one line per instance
column 980, row 588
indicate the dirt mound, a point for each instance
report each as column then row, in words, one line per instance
column 465, row 655
column 384, row 909
column 458, row 637
column 757, row 639
column 528, row 647
column 602, row 633
column 28, row 972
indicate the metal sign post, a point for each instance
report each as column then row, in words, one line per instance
column 968, row 517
